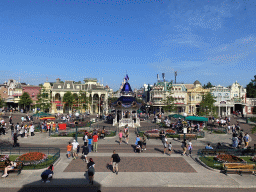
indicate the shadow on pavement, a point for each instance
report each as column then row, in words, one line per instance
column 62, row 185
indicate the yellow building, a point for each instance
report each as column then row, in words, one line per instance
column 194, row 97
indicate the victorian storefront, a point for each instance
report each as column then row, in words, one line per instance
column 96, row 93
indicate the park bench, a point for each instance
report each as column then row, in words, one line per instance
column 238, row 168
column 212, row 152
column 19, row 167
column 188, row 136
column 153, row 136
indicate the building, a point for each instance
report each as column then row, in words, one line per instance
column 223, row 100
column 238, row 97
column 179, row 93
column 96, row 93
column 194, row 97
column 250, row 104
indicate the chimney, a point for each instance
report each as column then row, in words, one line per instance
column 58, row 80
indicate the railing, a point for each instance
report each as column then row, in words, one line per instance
column 148, row 128
column 52, row 153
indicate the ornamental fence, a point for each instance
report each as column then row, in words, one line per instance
column 53, row 154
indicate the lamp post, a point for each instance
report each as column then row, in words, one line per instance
column 76, row 130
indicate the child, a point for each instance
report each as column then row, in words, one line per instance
column 190, row 147
column 169, row 149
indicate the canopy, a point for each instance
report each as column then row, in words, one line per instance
column 42, row 114
column 194, row 118
column 176, row 116
column 47, row 118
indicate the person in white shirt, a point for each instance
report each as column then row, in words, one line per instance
column 169, row 149
column 31, row 130
column 75, row 145
column 190, row 147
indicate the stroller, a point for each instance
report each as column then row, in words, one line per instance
column 138, row 148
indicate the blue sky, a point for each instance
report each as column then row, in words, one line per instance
column 203, row 40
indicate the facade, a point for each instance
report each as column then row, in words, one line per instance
column 238, row 97
column 179, row 93
column 95, row 92
column 223, row 100
column 194, row 97
column 250, row 104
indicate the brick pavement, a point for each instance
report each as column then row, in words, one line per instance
column 135, row 164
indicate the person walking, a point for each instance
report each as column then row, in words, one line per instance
column 15, row 139
column 90, row 143
column 75, row 145
column 165, row 144
column 91, row 170
column 127, row 135
column 115, row 159
column 12, row 129
column 190, row 147
column 169, row 149
column 69, row 147
column 246, row 140
column 184, row 147
column 144, row 141
column 120, row 137
column 95, row 142
column 85, row 152
column 32, row 129
column 85, row 139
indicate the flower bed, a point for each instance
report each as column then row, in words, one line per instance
column 4, row 157
column 228, row 159
column 170, row 132
column 32, row 158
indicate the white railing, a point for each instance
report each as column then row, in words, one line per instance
column 126, row 121
column 114, row 121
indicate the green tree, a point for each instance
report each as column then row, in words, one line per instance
column 111, row 100
column 2, row 102
column 25, row 100
column 206, row 105
column 251, row 88
column 43, row 100
column 169, row 104
column 68, row 98
column 208, row 85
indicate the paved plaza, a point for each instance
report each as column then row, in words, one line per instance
column 147, row 171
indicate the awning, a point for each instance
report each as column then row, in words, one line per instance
column 176, row 116
column 58, row 105
column 194, row 118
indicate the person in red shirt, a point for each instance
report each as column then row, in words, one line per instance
column 120, row 137
column 95, row 142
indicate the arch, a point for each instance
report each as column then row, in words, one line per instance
column 57, row 97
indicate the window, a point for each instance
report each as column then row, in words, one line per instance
column 77, row 87
column 68, row 86
column 59, row 86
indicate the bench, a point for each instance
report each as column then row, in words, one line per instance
column 238, row 168
column 18, row 167
column 213, row 152
column 188, row 136
column 153, row 136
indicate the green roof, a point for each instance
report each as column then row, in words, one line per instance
column 42, row 114
column 194, row 118
column 176, row 116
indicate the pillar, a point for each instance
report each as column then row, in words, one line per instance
column 92, row 105
column 99, row 104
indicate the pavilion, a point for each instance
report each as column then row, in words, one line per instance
column 125, row 106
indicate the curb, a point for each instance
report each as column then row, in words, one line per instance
column 204, row 165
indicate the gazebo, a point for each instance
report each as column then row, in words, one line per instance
column 125, row 106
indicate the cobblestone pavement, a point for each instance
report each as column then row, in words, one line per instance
column 135, row 164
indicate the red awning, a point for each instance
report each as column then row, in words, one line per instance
column 58, row 105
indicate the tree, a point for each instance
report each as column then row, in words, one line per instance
column 251, row 88
column 206, row 105
column 82, row 100
column 111, row 100
column 68, row 98
column 25, row 100
column 169, row 104
column 2, row 102
column 208, row 85
column 43, row 100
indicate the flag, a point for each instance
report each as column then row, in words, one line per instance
column 126, row 78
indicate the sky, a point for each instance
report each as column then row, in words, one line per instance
column 206, row 40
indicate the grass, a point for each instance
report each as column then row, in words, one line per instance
column 210, row 162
